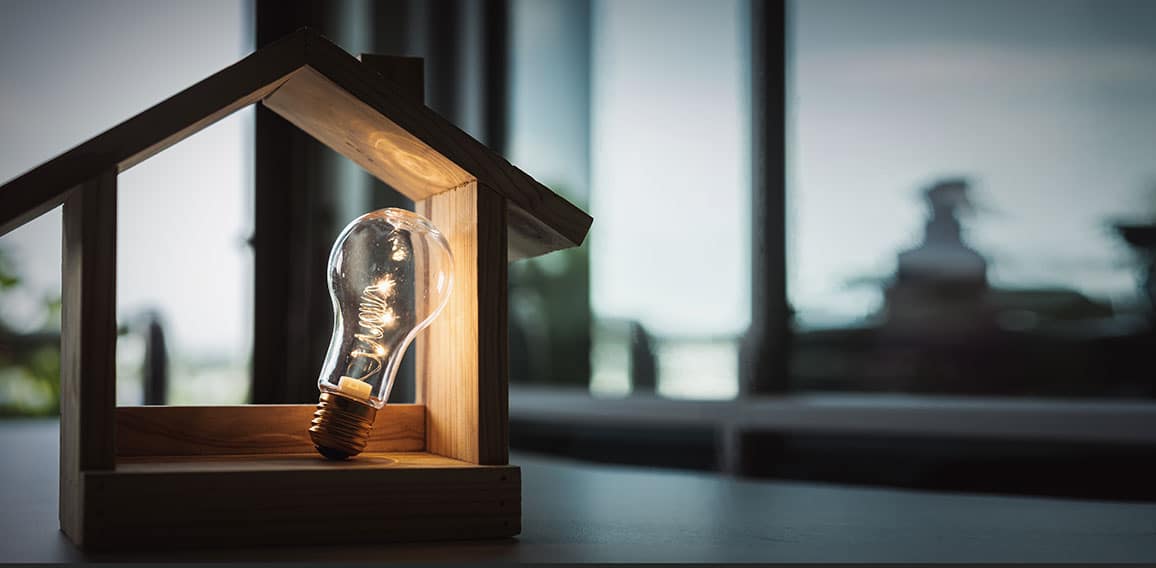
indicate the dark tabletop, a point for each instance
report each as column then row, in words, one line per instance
column 579, row 512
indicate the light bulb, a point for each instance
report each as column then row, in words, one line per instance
column 390, row 275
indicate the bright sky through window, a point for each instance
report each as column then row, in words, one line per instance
column 670, row 244
column 1047, row 105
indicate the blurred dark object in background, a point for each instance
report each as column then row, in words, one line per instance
column 1059, row 469
column 156, row 360
column 944, row 329
column 1143, row 239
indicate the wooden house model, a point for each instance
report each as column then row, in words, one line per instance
column 232, row 475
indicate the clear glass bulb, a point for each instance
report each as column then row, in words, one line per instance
column 390, row 275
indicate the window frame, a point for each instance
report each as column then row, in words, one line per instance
column 766, row 403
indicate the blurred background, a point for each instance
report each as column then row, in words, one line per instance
column 902, row 242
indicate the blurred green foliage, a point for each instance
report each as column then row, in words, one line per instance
column 29, row 361
column 550, row 317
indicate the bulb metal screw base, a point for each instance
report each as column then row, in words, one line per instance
column 341, row 426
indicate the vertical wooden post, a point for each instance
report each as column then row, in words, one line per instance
column 462, row 358
column 88, row 343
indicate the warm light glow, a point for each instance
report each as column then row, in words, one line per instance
column 384, row 286
column 375, row 313
column 354, row 388
column 381, row 271
column 414, row 160
column 399, row 252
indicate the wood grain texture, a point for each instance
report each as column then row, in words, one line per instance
column 347, row 105
column 492, row 390
column 369, row 138
column 303, row 461
column 462, row 359
column 88, row 343
column 551, row 222
column 220, row 489
column 249, row 430
column 151, row 131
column 218, row 502
column 527, row 237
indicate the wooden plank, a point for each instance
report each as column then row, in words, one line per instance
column 557, row 223
column 350, row 118
column 153, row 130
column 406, row 74
column 276, row 462
column 462, row 361
column 88, row 343
column 416, row 497
column 527, row 237
column 332, row 115
column 492, row 390
column 249, row 430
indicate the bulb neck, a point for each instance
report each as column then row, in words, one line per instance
column 341, row 426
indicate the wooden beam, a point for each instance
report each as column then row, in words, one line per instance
column 293, row 500
column 151, row 131
column 346, row 105
column 88, row 343
column 406, row 74
column 250, row 430
column 366, row 136
column 462, row 361
column 405, row 162
column 557, row 223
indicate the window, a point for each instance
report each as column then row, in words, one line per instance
column 960, row 176
column 968, row 213
column 667, row 178
column 183, row 216
column 549, row 137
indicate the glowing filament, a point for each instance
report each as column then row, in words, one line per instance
column 399, row 253
column 374, row 314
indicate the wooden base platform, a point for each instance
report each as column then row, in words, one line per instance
column 211, row 501
column 226, row 476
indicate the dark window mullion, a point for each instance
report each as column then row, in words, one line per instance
column 766, row 349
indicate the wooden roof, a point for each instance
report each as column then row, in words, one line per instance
column 329, row 94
